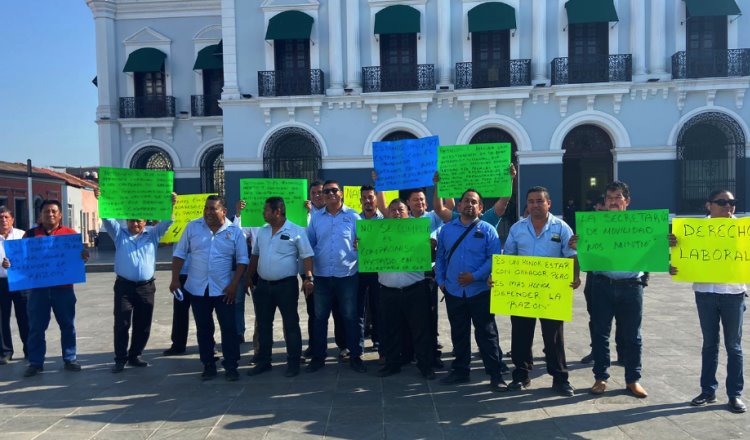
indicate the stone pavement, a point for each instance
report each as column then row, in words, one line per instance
column 168, row 400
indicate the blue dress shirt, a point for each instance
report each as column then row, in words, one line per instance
column 552, row 242
column 278, row 254
column 135, row 257
column 489, row 216
column 332, row 239
column 211, row 255
column 474, row 255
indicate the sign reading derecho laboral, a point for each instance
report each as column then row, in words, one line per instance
column 404, row 164
column 394, row 245
column 712, row 250
column 188, row 208
column 626, row 241
column 45, row 261
column 483, row 167
column 135, row 194
column 255, row 192
column 533, row 287
column 352, row 199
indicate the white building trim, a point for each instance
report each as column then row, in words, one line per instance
column 152, row 143
column 672, row 140
column 520, row 135
column 394, row 124
column 147, row 37
column 319, row 137
column 203, row 148
column 205, row 37
column 610, row 124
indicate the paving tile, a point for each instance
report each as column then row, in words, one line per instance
column 413, row 431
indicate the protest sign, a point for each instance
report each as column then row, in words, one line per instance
column 404, row 164
column 626, row 241
column 135, row 194
column 483, row 167
column 255, row 192
column 712, row 250
column 352, row 199
column 188, row 207
column 45, row 261
column 394, row 245
column 534, row 287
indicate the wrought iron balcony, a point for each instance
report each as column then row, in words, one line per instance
column 295, row 82
column 147, row 107
column 508, row 73
column 592, row 69
column 708, row 63
column 398, row 78
column 205, row 105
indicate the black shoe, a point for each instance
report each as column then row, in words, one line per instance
column 258, row 369
column 307, row 353
column 5, row 359
column 504, row 368
column 32, row 370
column 736, row 405
column 253, row 360
column 703, row 399
column 388, row 371
column 356, row 364
column 315, row 365
column 137, row 362
column 118, row 367
column 209, row 372
column 563, row 389
column 454, row 378
column 72, row 365
column 589, row 358
column 519, row 384
column 428, row 373
column 231, row 375
column 171, row 351
column 291, row 370
column 497, row 384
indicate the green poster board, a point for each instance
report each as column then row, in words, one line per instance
column 483, row 167
column 394, row 245
column 255, row 192
column 135, row 194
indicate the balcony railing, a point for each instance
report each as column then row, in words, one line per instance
column 508, row 73
column 711, row 63
column 592, row 69
column 205, row 105
column 398, row 78
column 147, row 107
column 295, row 82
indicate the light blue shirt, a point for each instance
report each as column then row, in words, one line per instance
column 489, row 216
column 552, row 242
column 332, row 239
column 135, row 256
column 378, row 216
column 279, row 253
column 211, row 255
column 473, row 254
column 435, row 221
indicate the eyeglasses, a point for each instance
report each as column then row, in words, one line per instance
column 330, row 191
column 724, row 202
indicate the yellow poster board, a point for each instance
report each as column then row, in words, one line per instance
column 188, row 207
column 712, row 250
column 533, row 287
column 351, row 197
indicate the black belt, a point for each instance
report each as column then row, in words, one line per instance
column 404, row 289
column 273, row 283
column 134, row 283
column 623, row 282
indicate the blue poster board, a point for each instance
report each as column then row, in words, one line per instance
column 404, row 164
column 45, row 261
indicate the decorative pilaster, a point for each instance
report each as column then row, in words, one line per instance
column 353, row 63
column 657, row 53
column 638, row 36
column 539, row 42
column 335, row 56
column 444, row 44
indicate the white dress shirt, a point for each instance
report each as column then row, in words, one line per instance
column 14, row 234
column 278, row 254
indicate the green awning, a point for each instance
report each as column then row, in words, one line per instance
column 712, row 8
column 492, row 16
column 208, row 59
column 289, row 25
column 591, row 11
column 147, row 59
column 220, row 49
column 397, row 19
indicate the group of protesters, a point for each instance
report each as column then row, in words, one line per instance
column 217, row 262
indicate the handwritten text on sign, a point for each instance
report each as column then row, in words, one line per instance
column 404, row 164
column 712, row 250
column 188, row 207
column 628, row 241
column 255, row 192
column 135, row 194
column 394, row 245
column 483, row 167
column 45, row 261
column 534, row 287
column 352, row 197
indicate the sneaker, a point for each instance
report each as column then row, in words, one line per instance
column 736, row 405
column 356, row 364
column 73, row 365
column 32, row 370
column 563, row 388
column 637, row 390
column 599, row 387
column 118, row 367
column 519, row 384
column 231, row 375
column 703, row 399
column 137, row 362
column 589, row 358
column 171, row 351
column 209, row 372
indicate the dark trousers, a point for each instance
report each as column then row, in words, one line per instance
column 462, row 312
column 369, row 294
column 338, row 324
column 8, row 302
column 284, row 295
column 619, row 341
column 181, row 318
column 522, row 338
column 133, row 303
column 203, row 309
column 406, row 308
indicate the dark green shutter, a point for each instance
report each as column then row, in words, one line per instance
column 397, row 19
column 208, row 59
column 147, row 59
column 492, row 16
column 712, row 8
column 591, row 11
column 289, row 25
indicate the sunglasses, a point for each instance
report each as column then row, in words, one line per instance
column 724, row 202
column 330, row 191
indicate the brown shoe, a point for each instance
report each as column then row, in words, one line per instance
column 599, row 387
column 637, row 390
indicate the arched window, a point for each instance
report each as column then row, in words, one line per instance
column 292, row 153
column 152, row 158
column 588, row 165
column 212, row 170
column 398, row 136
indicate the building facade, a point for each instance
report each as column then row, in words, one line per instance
column 651, row 92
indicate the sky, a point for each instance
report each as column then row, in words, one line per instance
column 47, row 101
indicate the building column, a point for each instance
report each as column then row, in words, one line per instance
column 231, row 88
column 353, row 63
column 335, row 65
column 444, row 44
column 658, row 51
column 539, row 42
column 638, row 37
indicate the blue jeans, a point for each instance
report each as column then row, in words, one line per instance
column 624, row 302
column 727, row 309
column 344, row 291
column 61, row 301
